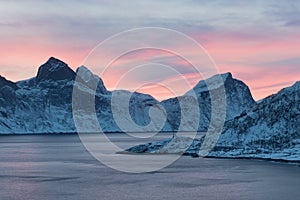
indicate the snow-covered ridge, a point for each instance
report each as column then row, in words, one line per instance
column 269, row 130
column 43, row 104
column 213, row 81
column 238, row 99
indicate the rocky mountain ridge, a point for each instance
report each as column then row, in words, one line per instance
column 269, row 130
column 43, row 104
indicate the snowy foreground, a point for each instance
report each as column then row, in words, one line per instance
column 191, row 147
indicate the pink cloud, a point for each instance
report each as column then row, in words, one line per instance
column 255, row 60
column 251, row 58
column 20, row 58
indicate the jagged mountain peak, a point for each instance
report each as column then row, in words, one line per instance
column 83, row 68
column 238, row 95
column 55, row 69
column 86, row 74
column 91, row 79
column 224, row 76
column 214, row 82
column 54, row 64
column 54, row 60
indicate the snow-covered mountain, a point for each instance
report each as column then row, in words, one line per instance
column 40, row 104
column 238, row 99
column 43, row 104
column 271, row 130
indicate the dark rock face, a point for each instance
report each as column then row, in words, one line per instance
column 54, row 70
column 4, row 82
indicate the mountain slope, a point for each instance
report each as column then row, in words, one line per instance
column 238, row 99
column 270, row 130
column 4, row 82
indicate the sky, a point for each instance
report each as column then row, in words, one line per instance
column 257, row 41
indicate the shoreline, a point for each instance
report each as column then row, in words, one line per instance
column 279, row 160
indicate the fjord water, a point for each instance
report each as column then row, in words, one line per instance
column 59, row 167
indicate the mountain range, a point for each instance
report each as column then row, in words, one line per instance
column 269, row 128
column 43, row 104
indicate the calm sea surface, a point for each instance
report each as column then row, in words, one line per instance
column 59, row 167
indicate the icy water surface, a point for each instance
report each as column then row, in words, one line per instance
column 59, row 167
